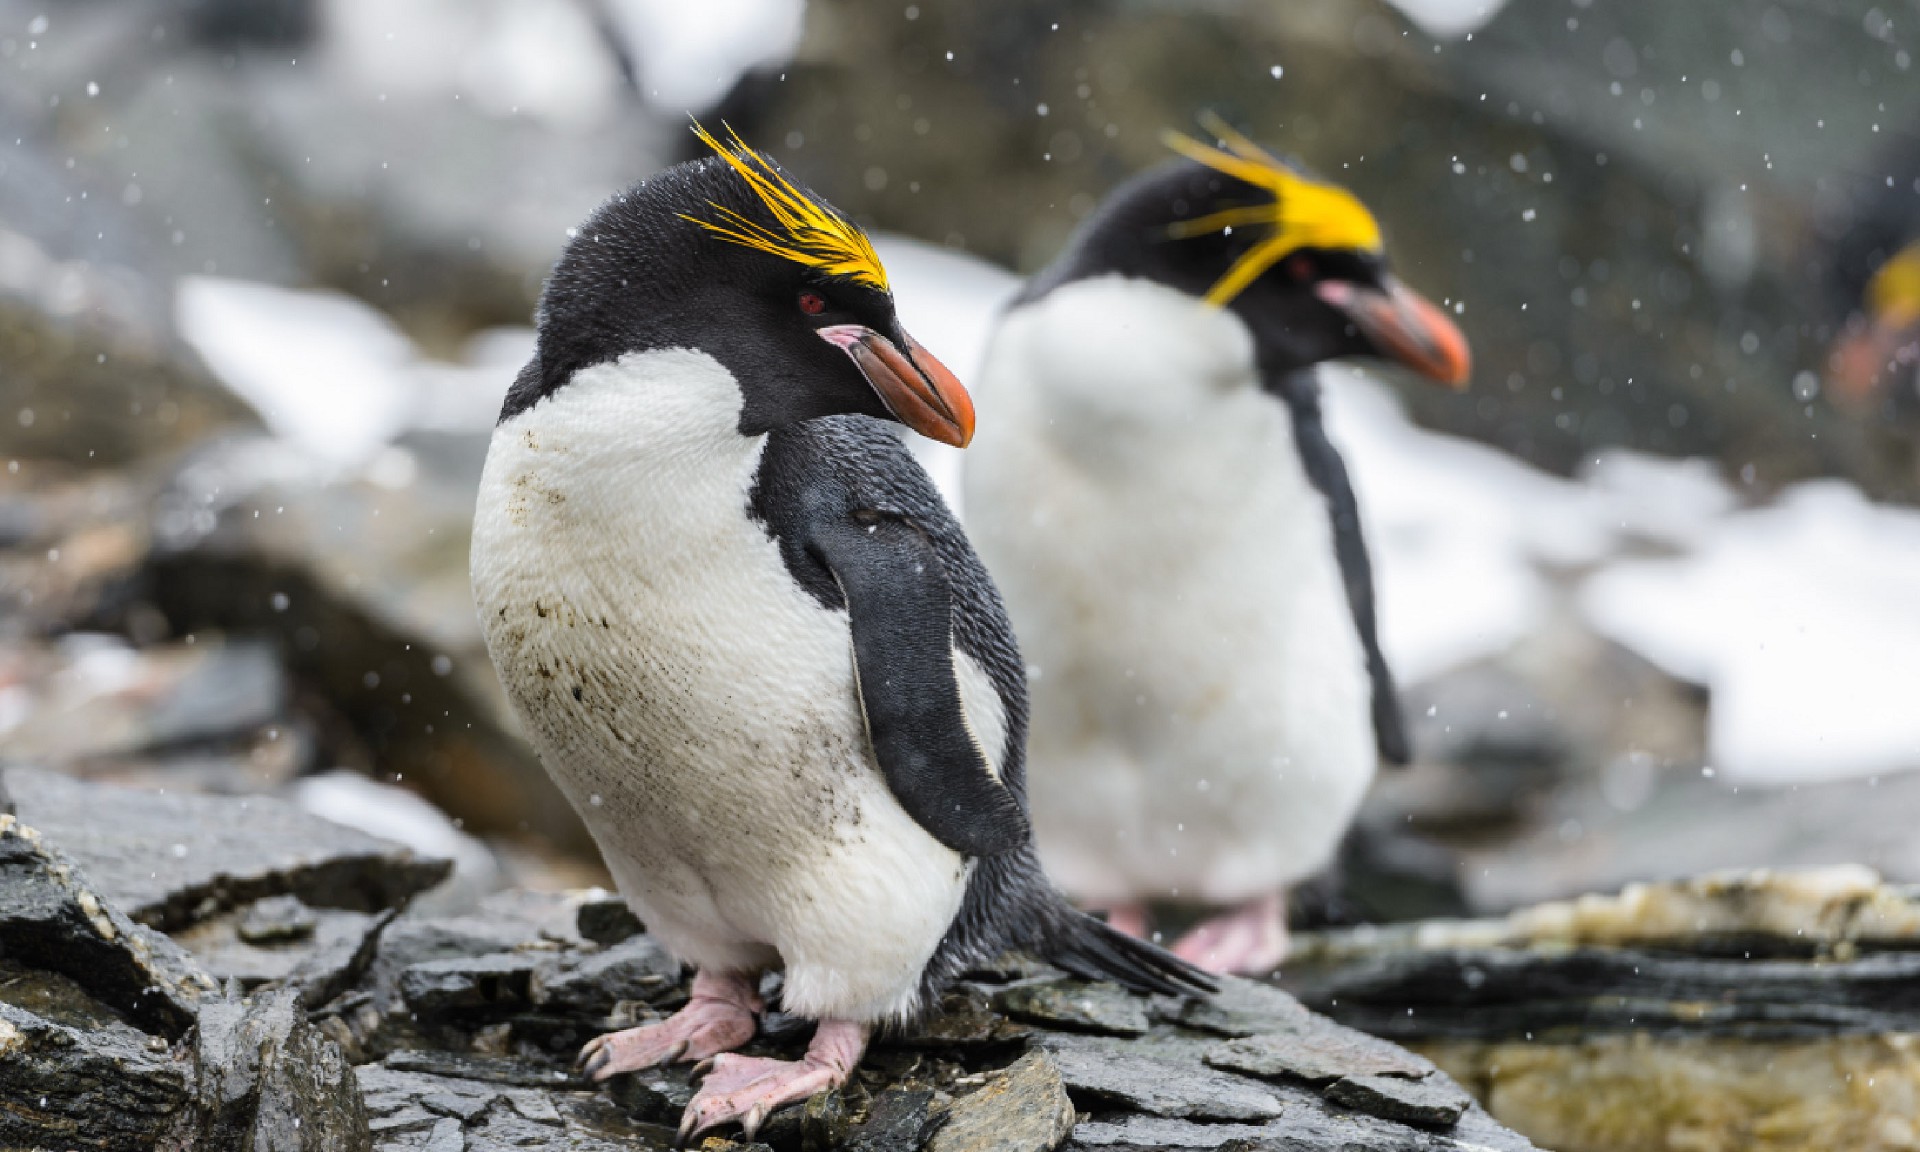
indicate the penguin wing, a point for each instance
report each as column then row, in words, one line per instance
column 862, row 529
column 900, row 604
column 1327, row 472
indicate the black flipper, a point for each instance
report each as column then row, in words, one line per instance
column 1327, row 472
column 900, row 605
column 820, row 487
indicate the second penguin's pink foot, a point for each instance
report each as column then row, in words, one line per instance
column 720, row 1015
column 1251, row 940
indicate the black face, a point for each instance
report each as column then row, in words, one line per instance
column 1314, row 305
column 638, row 276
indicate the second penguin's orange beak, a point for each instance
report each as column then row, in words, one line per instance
column 1404, row 326
column 914, row 386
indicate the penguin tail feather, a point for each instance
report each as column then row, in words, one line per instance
column 1092, row 950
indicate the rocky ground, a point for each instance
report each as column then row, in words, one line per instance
column 1745, row 1011
column 197, row 972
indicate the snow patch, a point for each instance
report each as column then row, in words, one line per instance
column 1800, row 619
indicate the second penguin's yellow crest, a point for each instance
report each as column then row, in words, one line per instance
column 1304, row 213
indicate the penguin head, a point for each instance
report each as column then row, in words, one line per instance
column 727, row 255
column 1881, row 342
column 1299, row 261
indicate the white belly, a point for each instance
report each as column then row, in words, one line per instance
column 1201, row 723
column 696, row 705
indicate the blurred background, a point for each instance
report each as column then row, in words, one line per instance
column 267, row 267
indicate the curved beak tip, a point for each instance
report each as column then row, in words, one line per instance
column 1406, row 327
column 912, row 383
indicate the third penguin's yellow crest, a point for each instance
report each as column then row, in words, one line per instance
column 1304, row 213
column 809, row 231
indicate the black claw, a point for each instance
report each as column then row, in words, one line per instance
column 594, row 1063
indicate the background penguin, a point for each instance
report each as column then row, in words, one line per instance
column 749, row 641
column 1181, row 554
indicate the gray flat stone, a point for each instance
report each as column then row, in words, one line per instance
column 1077, row 1006
column 496, row 982
column 1435, row 1100
column 591, row 983
column 1023, row 1108
column 1153, row 1080
column 1316, row 1051
column 332, row 941
column 172, row 859
column 899, row 1120
column 276, row 920
column 607, row 920
column 1243, row 1008
column 1161, row 1132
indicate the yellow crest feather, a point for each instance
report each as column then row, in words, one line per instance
column 809, row 233
column 1304, row 213
column 1894, row 292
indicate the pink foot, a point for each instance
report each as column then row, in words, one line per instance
column 719, row 1016
column 1128, row 916
column 749, row 1088
column 1251, row 940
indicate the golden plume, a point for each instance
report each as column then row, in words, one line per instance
column 1894, row 292
column 1304, row 213
column 810, row 232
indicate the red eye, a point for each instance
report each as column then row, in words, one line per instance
column 1300, row 268
column 812, row 303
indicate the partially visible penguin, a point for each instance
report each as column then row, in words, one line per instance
column 748, row 640
column 1156, row 495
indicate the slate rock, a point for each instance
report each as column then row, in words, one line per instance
column 269, row 1080
column 900, row 1120
column 497, row 982
column 606, row 919
column 1497, row 993
column 963, row 1022
column 1076, row 1005
column 89, row 1081
column 1161, row 1133
column 1435, row 1100
column 276, row 920
column 637, row 968
column 173, row 859
column 1317, row 1051
column 1242, row 1008
column 53, row 918
column 333, row 943
column 656, row 1095
column 1154, row 1080
column 1307, row 1126
column 1023, row 1108
column 482, row 1069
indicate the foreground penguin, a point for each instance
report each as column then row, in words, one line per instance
column 1156, row 495
column 749, row 641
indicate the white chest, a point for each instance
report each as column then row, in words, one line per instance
column 1201, row 712
column 693, row 701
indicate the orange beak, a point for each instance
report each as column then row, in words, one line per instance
column 914, row 386
column 1404, row 326
column 1869, row 353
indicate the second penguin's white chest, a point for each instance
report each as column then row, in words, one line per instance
column 697, row 705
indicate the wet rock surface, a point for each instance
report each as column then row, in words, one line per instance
column 1732, row 1011
column 172, row 859
column 387, row 1029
